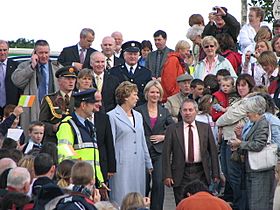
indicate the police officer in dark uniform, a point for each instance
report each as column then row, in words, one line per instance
column 131, row 71
column 57, row 105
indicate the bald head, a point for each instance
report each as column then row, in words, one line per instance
column 6, row 163
column 108, row 46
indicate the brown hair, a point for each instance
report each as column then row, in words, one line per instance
column 63, row 173
column 268, row 58
column 8, row 110
column 124, row 90
column 82, row 173
column 196, row 19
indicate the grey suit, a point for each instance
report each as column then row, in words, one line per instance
column 25, row 78
column 163, row 120
column 152, row 61
column 173, row 155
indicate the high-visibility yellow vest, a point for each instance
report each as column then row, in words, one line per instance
column 70, row 148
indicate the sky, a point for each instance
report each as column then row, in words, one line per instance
column 60, row 22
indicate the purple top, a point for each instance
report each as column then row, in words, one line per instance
column 153, row 121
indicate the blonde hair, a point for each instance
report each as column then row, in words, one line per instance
column 181, row 45
column 150, row 84
column 28, row 162
column 133, row 199
column 208, row 39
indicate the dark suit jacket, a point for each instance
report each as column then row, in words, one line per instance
column 71, row 54
column 174, row 147
column 46, row 116
column 163, row 120
column 12, row 92
column 118, row 61
column 152, row 60
column 105, row 143
column 110, row 83
column 140, row 77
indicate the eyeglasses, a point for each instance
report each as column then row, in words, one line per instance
column 4, row 50
column 207, row 46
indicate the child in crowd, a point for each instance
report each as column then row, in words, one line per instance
column 211, row 84
column 197, row 88
column 36, row 133
column 223, row 98
column 221, row 74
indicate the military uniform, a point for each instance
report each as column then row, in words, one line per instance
column 141, row 75
column 55, row 106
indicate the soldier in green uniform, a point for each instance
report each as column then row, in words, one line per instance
column 57, row 105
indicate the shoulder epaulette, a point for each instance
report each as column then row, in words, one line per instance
column 52, row 108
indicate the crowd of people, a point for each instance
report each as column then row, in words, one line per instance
column 111, row 129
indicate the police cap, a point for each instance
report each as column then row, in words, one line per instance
column 131, row 46
column 86, row 96
column 67, row 71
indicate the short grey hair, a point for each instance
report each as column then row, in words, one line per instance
column 195, row 30
column 18, row 177
column 255, row 104
column 4, row 42
column 85, row 31
column 188, row 100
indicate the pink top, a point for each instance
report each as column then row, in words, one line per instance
column 153, row 121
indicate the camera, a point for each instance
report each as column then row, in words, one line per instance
column 214, row 8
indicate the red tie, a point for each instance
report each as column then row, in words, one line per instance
column 190, row 145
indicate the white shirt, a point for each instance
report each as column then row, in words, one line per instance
column 111, row 61
column 128, row 67
column 197, row 155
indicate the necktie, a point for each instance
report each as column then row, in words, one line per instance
column 92, row 131
column 108, row 65
column 98, row 83
column 2, row 86
column 190, row 145
column 67, row 101
column 42, row 82
column 263, row 80
column 82, row 56
column 158, row 61
column 131, row 71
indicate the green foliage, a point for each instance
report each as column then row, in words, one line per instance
column 267, row 5
column 22, row 43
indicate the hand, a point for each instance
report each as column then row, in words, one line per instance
column 156, row 138
column 34, row 60
column 110, row 175
column 104, row 194
column 18, row 111
column 238, row 129
column 211, row 17
column 247, row 57
column 96, row 196
column 168, row 182
column 105, row 187
column 150, row 170
column 216, row 180
column 220, row 11
column 147, row 201
column 234, row 143
column 79, row 66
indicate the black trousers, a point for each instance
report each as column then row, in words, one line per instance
column 192, row 171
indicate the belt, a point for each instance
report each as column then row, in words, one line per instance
column 193, row 164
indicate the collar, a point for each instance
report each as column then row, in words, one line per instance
column 63, row 93
column 79, row 48
column 128, row 66
column 186, row 125
column 5, row 62
column 100, row 75
column 81, row 119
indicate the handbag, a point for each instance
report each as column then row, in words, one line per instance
column 264, row 159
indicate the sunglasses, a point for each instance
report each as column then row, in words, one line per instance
column 207, row 46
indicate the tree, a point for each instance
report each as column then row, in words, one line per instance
column 22, row 43
column 267, row 5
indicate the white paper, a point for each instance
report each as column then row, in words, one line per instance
column 14, row 133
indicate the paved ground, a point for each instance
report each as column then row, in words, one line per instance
column 169, row 202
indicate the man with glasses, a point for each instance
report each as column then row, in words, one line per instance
column 9, row 93
column 79, row 55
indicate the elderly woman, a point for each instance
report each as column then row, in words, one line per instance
column 155, row 120
column 259, row 184
column 132, row 155
column 174, row 66
column 84, row 80
column 212, row 62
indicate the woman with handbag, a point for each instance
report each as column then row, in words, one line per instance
column 254, row 135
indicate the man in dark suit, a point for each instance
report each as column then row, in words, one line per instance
column 131, row 71
column 78, row 55
column 189, row 152
column 156, row 59
column 8, row 91
column 57, row 105
column 108, row 46
column 103, row 81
